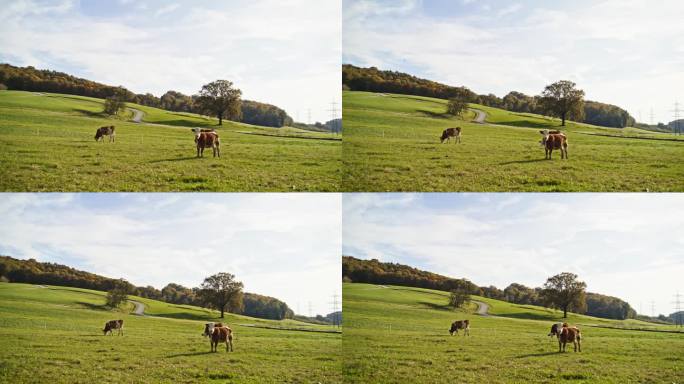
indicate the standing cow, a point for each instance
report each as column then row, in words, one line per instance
column 111, row 325
column 205, row 138
column 222, row 335
column 556, row 330
column 569, row 335
column 105, row 131
column 448, row 133
column 554, row 140
column 460, row 324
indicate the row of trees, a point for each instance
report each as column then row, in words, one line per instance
column 218, row 98
column 560, row 99
column 229, row 295
column 562, row 291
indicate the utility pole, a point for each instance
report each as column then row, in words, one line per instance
column 333, row 116
column 309, row 114
column 335, row 317
column 677, row 115
column 310, row 310
column 678, row 310
column 652, row 308
column 652, row 116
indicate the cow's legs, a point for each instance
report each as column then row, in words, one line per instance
column 198, row 151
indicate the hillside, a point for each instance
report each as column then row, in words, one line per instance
column 46, row 144
column 376, row 272
column 62, row 329
column 396, row 332
column 392, row 144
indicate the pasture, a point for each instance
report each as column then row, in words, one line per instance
column 391, row 143
column 47, row 144
column 54, row 335
column 400, row 334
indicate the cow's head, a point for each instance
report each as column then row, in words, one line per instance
column 107, row 328
column 545, row 136
column 98, row 134
column 208, row 329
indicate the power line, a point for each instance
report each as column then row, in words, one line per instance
column 678, row 309
column 652, row 116
column 335, row 309
column 333, row 116
column 652, row 308
column 677, row 115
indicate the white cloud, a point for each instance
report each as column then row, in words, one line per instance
column 269, row 49
column 281, row 245
column 607, row 239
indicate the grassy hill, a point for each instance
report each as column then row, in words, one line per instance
column 395, row 334
column 54, row 334
column 47, row 144
column 391, row 143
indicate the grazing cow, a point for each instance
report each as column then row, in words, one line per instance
column 556, row 330
column 551, row 141
column 111, row 325
column 209, row 328
column 448, row 133
column 569, row 335
column 222, row 335
column 205, row 138
column 460, row 324
column 105, row 131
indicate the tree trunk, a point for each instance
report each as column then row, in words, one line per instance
column 222, row 312
column 563, row 119
column 220, row 117
column 565, row 313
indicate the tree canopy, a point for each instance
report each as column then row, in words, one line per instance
column 565, row 292
column 220, row 290
column 562, row 99
column 221, row 99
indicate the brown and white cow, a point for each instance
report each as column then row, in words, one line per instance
column 105, row 131
column 460, row 324
column 554, row 140
column 556, row 329
column 222, row 335
column 448, row 133
column 209, row 328
column 111, row 325
column 205, row 138
column 569, row 335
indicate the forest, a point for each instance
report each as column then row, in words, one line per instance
column 377, row 272
column 375, row 80
column 34, row 272
column 35, row 80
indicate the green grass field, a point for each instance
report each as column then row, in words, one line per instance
column 400, row 334
column 47, row 144
column 54, row 335
column 391, row 143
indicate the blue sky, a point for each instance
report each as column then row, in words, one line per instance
column 281, row 245
column 624, row 52
column 283, row 52
column 623, row 245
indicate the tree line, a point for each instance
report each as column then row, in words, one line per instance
column 236, row 301
column 374, row 80
column 35, row 80
column 593, row 304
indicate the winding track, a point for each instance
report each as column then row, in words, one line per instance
column 137, row 115
column 139, row 308
column 482, row 308
column 481, row 115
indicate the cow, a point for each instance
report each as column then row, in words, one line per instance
column 551, row 141
column 205, row 138
column 448, row 133
column 556, row 330
column 222, row 335
column 569, row 335
column 209, row 328
column 105, row 131
column 460, row 324
column 111, row 325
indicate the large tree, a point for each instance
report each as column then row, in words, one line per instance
column 118, row 294
column 221, row 99
column 564, row 291
column 458, row 297
column 564, row 100
column 221, row 290
column 456, row 106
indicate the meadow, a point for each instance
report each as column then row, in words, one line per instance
column 47, row 144
column 391, row 143
column 400, row 334
column 54, row 335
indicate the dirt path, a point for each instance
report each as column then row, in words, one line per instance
column 481, row 116
column 137, row 115
column 139, row 308
column 482, row 308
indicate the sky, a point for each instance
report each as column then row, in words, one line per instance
column 283, row 245
column 628, row 53
column 624, row 245
column 282, row 52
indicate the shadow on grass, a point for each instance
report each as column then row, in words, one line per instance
column 88, row 113
column 527, row 124
column 522, row 161
column 537, row 355
column 183, row 316
column 189, row 354
column 435, row 115
column 184, row 123
column 438, row 307
column 527, row 315
column 174, row 159
column 94, row 307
